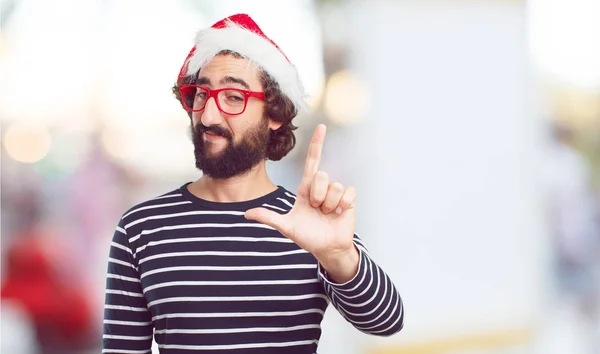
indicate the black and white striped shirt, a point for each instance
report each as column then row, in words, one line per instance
column 201, row 278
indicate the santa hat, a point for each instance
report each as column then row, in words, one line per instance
column 240, row 34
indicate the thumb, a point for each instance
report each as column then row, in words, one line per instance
column 269, row 217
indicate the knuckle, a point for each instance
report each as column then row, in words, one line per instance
column 316, row 199
column 317, row 195
column 330, row 203
column 337, row 186
column 326, row 210
column 349, row 195
column 347, row 198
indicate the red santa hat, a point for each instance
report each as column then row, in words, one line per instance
column 240, row 34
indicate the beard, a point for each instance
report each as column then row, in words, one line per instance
column 236, row 158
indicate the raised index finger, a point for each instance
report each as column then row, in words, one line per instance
column 314, row 153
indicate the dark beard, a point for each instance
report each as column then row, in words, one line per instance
column 235, row 159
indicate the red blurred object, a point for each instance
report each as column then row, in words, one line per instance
column 59, row 309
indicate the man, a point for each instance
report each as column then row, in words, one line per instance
column 233, row 263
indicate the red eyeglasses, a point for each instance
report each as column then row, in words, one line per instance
column 230, row 101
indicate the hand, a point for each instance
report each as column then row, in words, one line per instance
column 322, row 219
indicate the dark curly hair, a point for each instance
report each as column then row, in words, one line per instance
column 278, row 107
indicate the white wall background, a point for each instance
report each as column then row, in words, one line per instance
column 448, row 199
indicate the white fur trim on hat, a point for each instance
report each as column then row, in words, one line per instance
column 209, row 42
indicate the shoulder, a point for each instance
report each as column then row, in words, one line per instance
column 287, row 194
column 158, row 204
column 281, row 201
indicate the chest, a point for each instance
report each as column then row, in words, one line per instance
column 211, row 268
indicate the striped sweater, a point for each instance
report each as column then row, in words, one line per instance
column 200, row 278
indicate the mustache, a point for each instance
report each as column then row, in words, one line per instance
column 213, row 129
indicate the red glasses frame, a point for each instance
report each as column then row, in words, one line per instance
column 215, row 94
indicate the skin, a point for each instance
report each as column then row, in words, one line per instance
column 322, row 220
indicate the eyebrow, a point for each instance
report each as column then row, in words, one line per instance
column 227, row 79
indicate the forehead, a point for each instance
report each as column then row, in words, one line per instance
column 228, row 65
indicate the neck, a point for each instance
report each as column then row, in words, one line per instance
column 251, row 185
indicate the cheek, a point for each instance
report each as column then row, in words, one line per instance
column 196, row 117
column 257, row 111
column 249, row 120
column 237, row 130
column 240, row 125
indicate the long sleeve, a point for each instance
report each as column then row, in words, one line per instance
column 127, row 321
column 369, row 301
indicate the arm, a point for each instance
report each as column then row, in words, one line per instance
column 369, row 300
column 127, row 321
column 322, row 222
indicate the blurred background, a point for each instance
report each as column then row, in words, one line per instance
column 471, row 130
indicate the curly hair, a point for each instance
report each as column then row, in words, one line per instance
column 278, row 107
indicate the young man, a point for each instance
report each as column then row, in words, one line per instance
column 233, row 263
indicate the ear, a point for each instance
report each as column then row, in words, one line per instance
column 274, row 125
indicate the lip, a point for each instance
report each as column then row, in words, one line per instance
column 211, row 136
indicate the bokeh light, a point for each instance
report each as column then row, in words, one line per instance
column 27, row 142
column 347, row 99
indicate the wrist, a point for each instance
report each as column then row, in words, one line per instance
column 341, row 267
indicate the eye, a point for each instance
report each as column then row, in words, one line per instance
column 233, row 97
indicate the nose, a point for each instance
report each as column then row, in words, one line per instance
column 211, row 114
